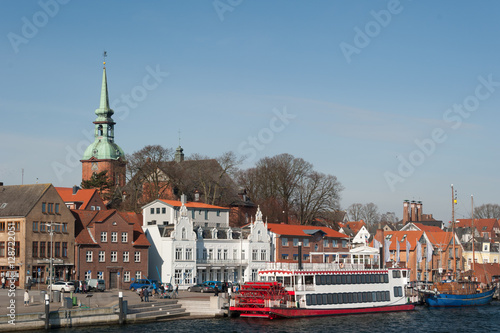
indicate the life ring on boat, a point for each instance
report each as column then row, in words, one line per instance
column 341, row 265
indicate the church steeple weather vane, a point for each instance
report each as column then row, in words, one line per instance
column 104, row 55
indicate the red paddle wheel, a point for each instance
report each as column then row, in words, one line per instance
column 256, row 298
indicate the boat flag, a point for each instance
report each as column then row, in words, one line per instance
column 429, row 251
column 397, row 251
column 408, row 246
column 419, row 252
column 387, row 253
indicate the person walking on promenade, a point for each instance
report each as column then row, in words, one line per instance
column 141, row 295
column 216, row 291
column 26, row 298
column 146, row 295
column 176, row 290
column 3, row 282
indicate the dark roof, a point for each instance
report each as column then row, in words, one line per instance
column 19, row 200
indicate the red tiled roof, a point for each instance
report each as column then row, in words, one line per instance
column 440, row 239
column 479, row 224
column 355, row 226
column 298, row 230
column 140, row 238
column 402, row 236
column 83, row 195
column 192, row 204
column 424, row 227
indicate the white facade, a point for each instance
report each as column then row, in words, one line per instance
column 190, row 251
column 361, row 237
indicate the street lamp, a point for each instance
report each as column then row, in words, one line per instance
column 51, row 231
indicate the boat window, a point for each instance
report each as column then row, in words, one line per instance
column 287, row 281
column 318, row 299
column 323, row 279
column 318, row 280
column 374, row 296
column 387, row 295
column 343, row 279
column 369, row 296
column 355, row 297
column 360, row 297
column 328, row 279
column 313, row 299
column 350, row 297
column 330, row 298
column 338, row 279
column 358, row 279
column 308, row 299
column 404, row 274
column 365, row 297
column 363, row 280
column 348, row 279
column 344, row 298
column 279, row 279
column 335, row 298
column 325, row 298
column 380, row 278
column 309, row 279
column 386, row 278
column 372, row 278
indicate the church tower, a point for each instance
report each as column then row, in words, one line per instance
column 104, row 154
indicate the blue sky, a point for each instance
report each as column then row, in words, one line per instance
column 397, row 99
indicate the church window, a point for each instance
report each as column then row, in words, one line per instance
column 99, row 130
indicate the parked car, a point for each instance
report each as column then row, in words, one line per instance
column 142, row 283
column 198, row 288
column 149, row 288
column 168, row 287
column 96, row 285
column 62, row 286
column 210, row 286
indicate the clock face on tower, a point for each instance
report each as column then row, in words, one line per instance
column 94, row 166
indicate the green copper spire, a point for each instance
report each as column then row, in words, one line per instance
column 104, row 146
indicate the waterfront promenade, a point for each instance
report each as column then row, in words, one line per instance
column 99, row 308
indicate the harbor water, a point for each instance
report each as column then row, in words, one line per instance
column 423, row 319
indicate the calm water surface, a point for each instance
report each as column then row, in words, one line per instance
column 471, row 320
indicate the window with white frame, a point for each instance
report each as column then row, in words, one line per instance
column 306, row 241
column 255, row 254
column 219, row 254
column 225, row 254
column 325, row 242
column 137, row 256
column 138, row 275
column 178, row 276
column 242, row 254
column 188, row 276
column 178, row 253
column 334, row 243
column 104, row 236
column 100, row 275
column 263, row 255
column 114, row 256
column 189, row 253
column 102, row 256
column 114, row 236
column 126, row 276
column 235, row 254
column 284, row 241
column 88, row 275
column 210, row 254
column 254, row 275
column 126, row 256
column 295, row 242
column 89, row 256
column 124, row 237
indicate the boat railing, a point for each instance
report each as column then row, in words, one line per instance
column 334, row 266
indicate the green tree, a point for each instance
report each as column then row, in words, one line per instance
column 101, row 182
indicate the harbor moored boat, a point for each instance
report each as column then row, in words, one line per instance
column 352, row 284
column 456, row 294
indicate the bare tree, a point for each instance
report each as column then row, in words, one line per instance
column 317, row 196
column 369, row 213
column 487, row 211
column 389, row 217
column 145, row 173
column 354, row 211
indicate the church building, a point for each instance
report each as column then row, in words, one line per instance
column 104, row 154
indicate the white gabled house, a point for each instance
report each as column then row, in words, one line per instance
column 192, row 242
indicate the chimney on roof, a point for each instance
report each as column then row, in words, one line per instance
column 406, row 211
column 75, row 189
column 196, row 195
column 183, row 199
column 419, row 211
column 413, row 206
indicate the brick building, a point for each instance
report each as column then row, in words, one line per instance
column 27, row 215
column 76, row 198
column 110, row 245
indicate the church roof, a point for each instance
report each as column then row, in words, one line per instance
column 103, row 147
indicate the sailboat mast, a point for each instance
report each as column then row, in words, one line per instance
column 472, row 227
column 453, row 230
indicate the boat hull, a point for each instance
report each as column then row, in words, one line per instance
column 273, row 313
column 451, row 300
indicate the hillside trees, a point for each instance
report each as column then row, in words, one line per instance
column 487, row 211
